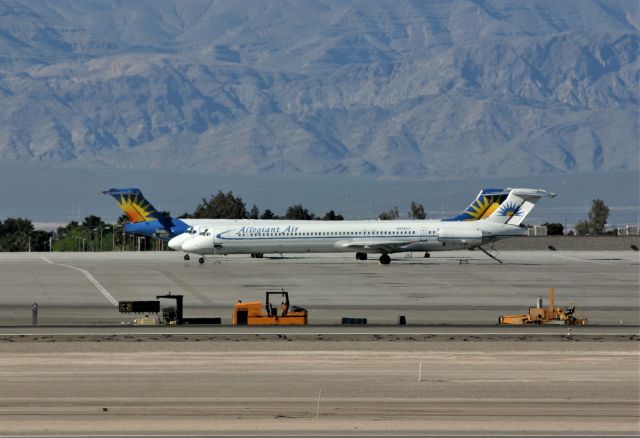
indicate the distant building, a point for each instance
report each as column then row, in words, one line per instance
column 537, row 231
column 629, row 230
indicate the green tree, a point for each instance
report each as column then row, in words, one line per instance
column 332, row 216
column 15, row 234
column 91, row 222
column 554, row 229
column 598, row 217
column 416, row 211
column 72, row 237
column 596, row 220
column 92, row 226
column 582, row 228
column 40, row 240
column 298, row 212
column 268, row 214
column 392, row 214
column 254, row 213
column 221, row 205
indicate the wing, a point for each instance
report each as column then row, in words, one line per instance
column 374, row 246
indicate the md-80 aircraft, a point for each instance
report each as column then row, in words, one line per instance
column 145, row 220
column 502, row 217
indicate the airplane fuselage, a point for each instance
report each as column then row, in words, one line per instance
column 380, row 237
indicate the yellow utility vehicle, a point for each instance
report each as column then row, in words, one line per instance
column 545, row 315
column 257, row 313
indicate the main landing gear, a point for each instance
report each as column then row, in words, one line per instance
column 427, row 255
column 201, row 260
column 186, row 257
column 384, row 258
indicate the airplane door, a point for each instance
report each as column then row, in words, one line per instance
column 423, row 234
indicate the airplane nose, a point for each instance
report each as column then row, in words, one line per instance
column 176, row 243
column 191, row 245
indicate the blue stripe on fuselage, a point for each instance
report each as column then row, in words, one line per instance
column 155, row 228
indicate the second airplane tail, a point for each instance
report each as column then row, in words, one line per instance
column 143, row 218
column 487, row 201
column 135, row 206
column 517, row 205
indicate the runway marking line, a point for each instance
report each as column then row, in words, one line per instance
column 287, row 435
column 575, row 259
column 90, row 277
column 181, row 333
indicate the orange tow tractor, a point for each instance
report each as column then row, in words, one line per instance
column 257, row 313
column 551, row 314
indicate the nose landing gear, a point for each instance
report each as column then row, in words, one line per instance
column 186, row 257
column 361, row 256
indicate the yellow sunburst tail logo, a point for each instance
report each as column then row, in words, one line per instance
column 134, row 205
column 487, row 201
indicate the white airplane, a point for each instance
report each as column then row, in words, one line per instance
column 483, row 205
column 365, row 237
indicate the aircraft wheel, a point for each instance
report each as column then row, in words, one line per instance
column 385, row 259
column 186, row 257
column 361, row 256
column 201, row 260
column 427, row 255
column 259, row 255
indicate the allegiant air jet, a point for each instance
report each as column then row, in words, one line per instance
column 472, row 229
column 145, row 220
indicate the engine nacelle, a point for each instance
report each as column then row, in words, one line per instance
column 460, row 235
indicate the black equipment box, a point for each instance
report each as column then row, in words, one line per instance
column 139, row 306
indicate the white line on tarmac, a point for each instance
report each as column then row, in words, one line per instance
column 305, row 433
column 185, row 333
column 91, row 278
column 575, row 259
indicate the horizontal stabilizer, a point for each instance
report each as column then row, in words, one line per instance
column 517, row 206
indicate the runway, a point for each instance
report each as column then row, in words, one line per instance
column 451, row 371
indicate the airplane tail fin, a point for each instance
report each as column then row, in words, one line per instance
column 135, row 206
column 487, row 201
column 517, row 205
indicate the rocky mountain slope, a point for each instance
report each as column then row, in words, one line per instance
column 460, row 89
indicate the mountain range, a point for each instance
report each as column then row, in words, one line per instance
column 386, row 89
